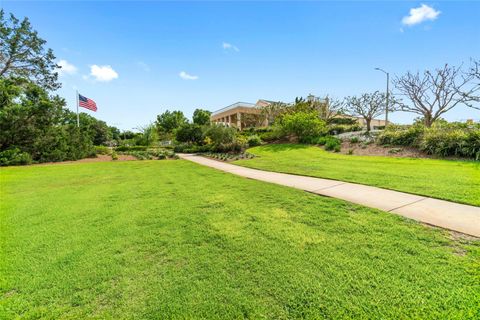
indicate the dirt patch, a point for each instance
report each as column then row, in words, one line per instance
column 99, row 158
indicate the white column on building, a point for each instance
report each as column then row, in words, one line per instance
column 239, row 120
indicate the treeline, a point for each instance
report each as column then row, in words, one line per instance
column 35, row 126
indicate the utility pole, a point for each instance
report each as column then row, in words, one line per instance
column 387, row 95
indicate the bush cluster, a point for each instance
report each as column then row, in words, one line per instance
column 229, row 156
column 442, row 139
column 131, row 148
column 14, row 157
column 303, row 125
column 341, row 128
column 402, row 135
column 152, row 154
column 192, row 138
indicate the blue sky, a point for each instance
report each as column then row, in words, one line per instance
column 138, row 59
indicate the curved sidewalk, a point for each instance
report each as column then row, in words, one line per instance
column 440, row 213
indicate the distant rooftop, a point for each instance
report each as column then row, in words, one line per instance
column 233, row 106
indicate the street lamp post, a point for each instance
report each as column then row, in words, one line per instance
column 388, row 94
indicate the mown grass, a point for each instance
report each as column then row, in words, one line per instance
column 457, row 181
column 172, row 239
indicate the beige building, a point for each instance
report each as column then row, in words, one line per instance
column 243, row 114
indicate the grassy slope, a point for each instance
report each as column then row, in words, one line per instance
column 457, row 181
column 171, row 239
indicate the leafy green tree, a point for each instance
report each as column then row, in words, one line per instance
column 191, row 133
column 168, row 121
column 148, row 136
column 221, row 135
column 201, row 117
column 303, row 125
column 36, row 123
column 22, row 53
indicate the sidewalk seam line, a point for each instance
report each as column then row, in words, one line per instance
column 407, row 204
column 336, row 185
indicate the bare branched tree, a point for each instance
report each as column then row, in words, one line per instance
column 273, row 111
column 332, row 108
column 432, row 94
column 368, row 106
column 472, row 93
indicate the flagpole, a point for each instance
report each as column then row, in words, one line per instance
column 78, row 117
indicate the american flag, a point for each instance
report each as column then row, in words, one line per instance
column 86, row 103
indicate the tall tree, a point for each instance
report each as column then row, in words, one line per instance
column 22, row 53
column 201, row 117
column 169, row 121
column 368, row 106
column 432, row 94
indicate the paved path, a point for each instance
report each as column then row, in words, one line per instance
column 445, row 214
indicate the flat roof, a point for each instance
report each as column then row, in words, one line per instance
column 233, row 106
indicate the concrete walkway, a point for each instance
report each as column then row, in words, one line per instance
column 445, row 214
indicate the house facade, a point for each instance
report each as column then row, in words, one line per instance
column 242, row 115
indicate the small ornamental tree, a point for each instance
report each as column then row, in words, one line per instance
column 368, row 106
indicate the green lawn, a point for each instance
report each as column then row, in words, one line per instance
column 457, row 181
column 172, row 239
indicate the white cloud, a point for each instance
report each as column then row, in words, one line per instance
column 187, row 76
column 103, row 73
column 229, row 46
column 420, row 14
column 66, row 68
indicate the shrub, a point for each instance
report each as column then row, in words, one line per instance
column 114, row 155
column 220, row 134
column 131, row 148
column 254, row 141
column 442, row 139
column 102, row 150
column 303, row 125
column 328, row 139
column 14, row 157
column 272, row 135
column 401, row 135
column 332, row 144
column 456, row 142
column 354, row 140
column 341, row 128
column 189, row 133
column 343, row 120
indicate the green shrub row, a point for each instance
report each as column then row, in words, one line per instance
column 341, row 128
column 14, row 157
column 442, row 139
column 229, row 156
column 131, row 148
column 152, row 154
